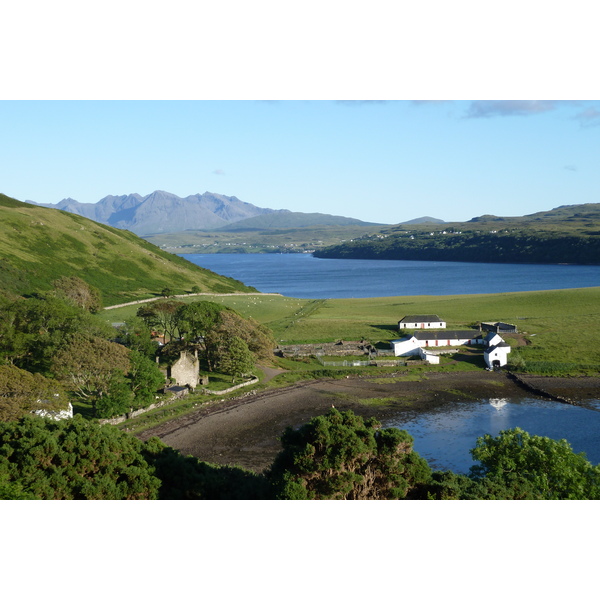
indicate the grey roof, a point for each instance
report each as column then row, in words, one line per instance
column 465, row 334
column 492, row 348
column 420, row 319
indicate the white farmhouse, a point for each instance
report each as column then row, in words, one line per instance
column 421, row 322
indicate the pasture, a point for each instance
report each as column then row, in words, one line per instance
column 559, row 327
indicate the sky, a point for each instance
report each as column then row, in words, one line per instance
column 378, row 161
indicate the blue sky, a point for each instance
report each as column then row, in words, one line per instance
column 383, row 162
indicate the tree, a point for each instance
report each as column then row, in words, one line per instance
column 196, row 319
column 145, row 379
column 22, row 392
column 196, row 289
column 257, row 337
column 166, row 292
column 342, row 456
column 532, row 466
column 78, row 292
column 137, row 336
column 163, row 316
column 34, row 329
column 235, row 358
column 94, row 370
column 73, row 459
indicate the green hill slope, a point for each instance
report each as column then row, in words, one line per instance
column 39, row 245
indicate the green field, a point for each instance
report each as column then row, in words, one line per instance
column 559, row 327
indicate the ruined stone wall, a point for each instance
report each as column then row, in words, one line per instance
column 186, row 370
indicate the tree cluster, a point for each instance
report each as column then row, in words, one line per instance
column 228, row 342
column 54, row 349
column 335, row 456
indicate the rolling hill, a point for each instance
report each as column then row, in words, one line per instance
column 39, row 245
column 567, row 234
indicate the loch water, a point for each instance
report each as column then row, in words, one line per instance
column 307, row 277
column 445, row 435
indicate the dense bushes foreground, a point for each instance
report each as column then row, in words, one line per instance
column 335, row 456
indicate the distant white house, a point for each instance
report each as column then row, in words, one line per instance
column 421, row 322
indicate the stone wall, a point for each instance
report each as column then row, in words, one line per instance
column 186, row 369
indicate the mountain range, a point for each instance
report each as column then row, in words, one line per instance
column 164, row 212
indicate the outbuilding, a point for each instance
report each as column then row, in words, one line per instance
column 497, row 356
column 421, row 322
column 467, row 337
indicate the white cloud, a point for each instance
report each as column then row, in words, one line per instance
column 508, row 108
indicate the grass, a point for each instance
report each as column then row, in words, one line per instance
column 559, row 326
column 39, row 245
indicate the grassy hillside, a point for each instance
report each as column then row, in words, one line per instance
column 39, row 245
column 568, row 234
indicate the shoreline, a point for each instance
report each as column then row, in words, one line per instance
column 245, row 431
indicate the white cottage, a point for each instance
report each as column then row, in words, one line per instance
column 421, row 322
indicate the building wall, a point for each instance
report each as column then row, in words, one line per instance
column 432, row 325
column 499, row 354
column 405, row 347
column 186, row 370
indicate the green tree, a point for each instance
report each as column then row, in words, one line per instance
column 257, row 337
column 116, row 397
column 36, row 328
column 342, row 456
column 93, row 369
column 196, row 319
column 145, row 379
column 22, row 392
column 162, row 315
column 235, row 358
column 78, row 292
column 137, row 336
column 532, row 466
column 73, row 459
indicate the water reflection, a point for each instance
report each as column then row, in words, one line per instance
column 445, row 436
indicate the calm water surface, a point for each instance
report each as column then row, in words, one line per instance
column 303, row 276
column 445, row 436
